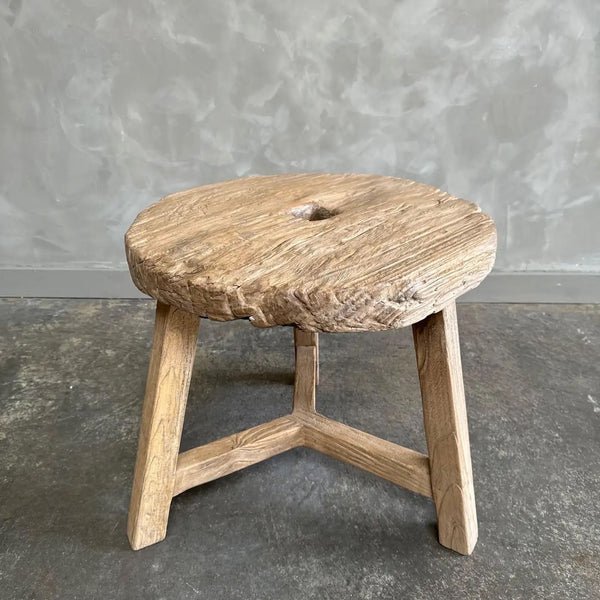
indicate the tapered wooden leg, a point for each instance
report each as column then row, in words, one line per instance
column 307, row 369
column 173, row 350
column 445, row 416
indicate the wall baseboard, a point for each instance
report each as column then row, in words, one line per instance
column 578, row 288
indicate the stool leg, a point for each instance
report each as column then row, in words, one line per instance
column 306, row 345
column 307, row 338
column 173, row 350
column 445, row 417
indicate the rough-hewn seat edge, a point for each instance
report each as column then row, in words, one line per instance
column 400, row 308
column 390, row 305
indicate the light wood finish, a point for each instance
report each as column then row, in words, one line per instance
column 445, row 474
column 445, row 416
column 305, row 379
column 236, row 452
column 323, row 252
column 307, row 338
column 397, row 464
column 173, row 350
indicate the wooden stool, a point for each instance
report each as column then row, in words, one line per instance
column 324, row 253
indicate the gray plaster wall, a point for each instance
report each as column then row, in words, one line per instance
column 107, row 105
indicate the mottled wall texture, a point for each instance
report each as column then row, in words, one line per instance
column 106, row 105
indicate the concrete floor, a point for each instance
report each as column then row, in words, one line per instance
column 300, row 525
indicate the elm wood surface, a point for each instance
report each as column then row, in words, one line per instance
column 236, row 452
column 445, row 417
column 309, row 429
column 305, row 379
column 173, row 351
column 307, row 338
column 304, row 427
column 393, row 462
column 323, row 252
column 162, row 473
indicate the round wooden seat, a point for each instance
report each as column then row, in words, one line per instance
column 323, row 252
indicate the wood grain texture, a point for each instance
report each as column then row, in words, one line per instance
column 305, row 378
column 323, row 252
column 395, row 463
column 173, row 351
column 446, row 430
column 307, row 338
column 236, row 452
